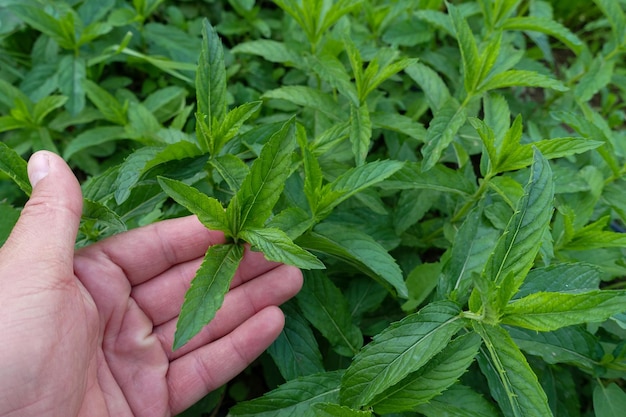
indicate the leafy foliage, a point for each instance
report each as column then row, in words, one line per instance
column 449, row 174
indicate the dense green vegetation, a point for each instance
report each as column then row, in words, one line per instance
column 451, row 176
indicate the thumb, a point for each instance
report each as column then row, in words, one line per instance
column 47, row 227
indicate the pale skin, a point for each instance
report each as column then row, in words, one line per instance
column 89, row 332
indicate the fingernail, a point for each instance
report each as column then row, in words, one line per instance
column 38, row 167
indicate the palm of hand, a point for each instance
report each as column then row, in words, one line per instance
column 105, row 329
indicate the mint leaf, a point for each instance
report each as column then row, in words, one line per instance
column 516, row 249
column 431, row 380
column 572, row 345
column 470, row 251
column 211, row 77
column 72, row 75
column 15, row 167
column 440, row 178
column 360, row 132
column 232, row 170
column 547, row 26
column 511, row 380
column 521, row 78
column 458, row 401
column 467, row 47
column 230, row 125
column 108, row 105
column 140, row 161
column 94, row 137
column 208, row 210
column 336, row 410
column 563, row 278
column 402, row 348
column 545, row 311
column 441, row 131
column 260, row 190
column 522, row 156
column 359, row 250
column 276, row 246
column 353, row 181
column 307, row 97
column 296, row 352
column 324, row 306
column 206, row 293
column 608, row 401
column 294, row 398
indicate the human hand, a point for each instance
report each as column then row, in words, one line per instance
column 89, row 333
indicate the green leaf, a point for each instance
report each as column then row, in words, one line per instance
column 336, row 410
column 353, row 181
column 572, row 345
column 511, row 380
column 209, row 211
column 211, row 76
column 12, row 95
column 338, row 9
column 94, row 137
column 108, row 105
column 307, row 97
column 294, row 221
column 106, row 217
column 324, row 306
column 471, row 249
column 436, row 91
column 572, row 277
column 521, row 78
column 10, row 123
column 516, row 249
column 402, row 348
column 276, row 246
column 140, row 161
column 616, row 17
column 295, row 351
column 441, row 131
column 376, row 75
column 232, row 122
column 207, row 290
column 142, row 124
column 15, row 167
column 549, row 148
column 331, row 70
column 72, row 75
column 398, row 123
column 45, row 106
column 270, row 50
column 545, row 311
column 260, row 190
column 544, row 25
column 468, row 48
column 360, row 132
column 458, row 401
column 590, row 239
column 421, row 281
column 313, row 176
column 595, row 78
column 37, row 18
column 359, row 250
column 609, row 401
column 232, row 169
column 436, row 376
column 294, row 398
column 439, row 178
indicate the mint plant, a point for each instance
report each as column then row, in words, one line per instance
column 449, row 176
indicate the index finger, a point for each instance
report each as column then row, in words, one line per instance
column 148, row 251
